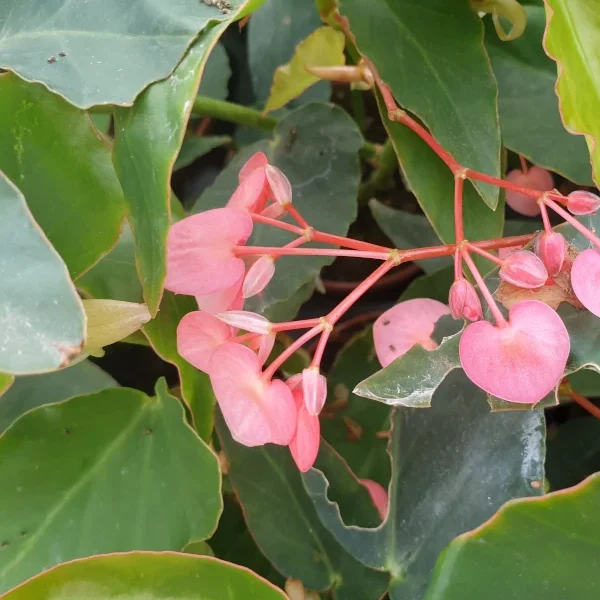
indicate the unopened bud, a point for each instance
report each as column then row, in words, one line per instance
column 581, row 202
column 258, row 276
column 464, row 301
column 109, row 321
column 552, row 249
column 256, row 161
column 524, row 269
column 246, row 320
column 294, row 589
column 280, row 185
column 265, row 347
column 314, row 390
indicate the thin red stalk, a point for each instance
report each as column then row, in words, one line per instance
column 485, row 254
column 297, row 242
column 273, row 251
column 585, row 232
column 530, row 193
column 276, row 223
column 293, row 211
column 498, row 316
column 338, row 240
column 545, row 218
column 320, row 349
column 245, row 337
column 524, row 166
column 459, row 230
column 291, row 325
column 585, row 403
column 457, row 265
column 296, row 345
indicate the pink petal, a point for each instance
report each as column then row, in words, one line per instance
column 281, row 188
column 535, row 178
column 200, row 260
column 246, row 320
column 265, row 347
column 464, row 301
column 305, row 443
column 522, row 362
column 581, row 202
column 552, row 250
column 408, row 323
column 524, row 269
column 198, row 334
column 256, row 412
column 228, row 299
column 585, row 279
column 257, row 160
column 314, row 390
column 252, row 193
column 379, row 496
column 273, row 211
column 258, row 276
column 504, row 252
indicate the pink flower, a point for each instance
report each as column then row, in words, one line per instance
column 305, row 444
column 314, row 390
column 585, row 279
column 524, row 269
column 552, row 250
column 256, row 411
column 258, row 276
column 581, row 202
column 464, row 301
column 228, row 299
column 408, row 323
column 200, row 257
column 246, row 320
column 521, row 362
column 252, row 193
column 281, row 188
column 535, row 178
column 379, row 496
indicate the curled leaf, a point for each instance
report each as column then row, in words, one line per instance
column 507, row 9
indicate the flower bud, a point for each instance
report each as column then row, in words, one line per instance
column 524, row 269
column 258, row 276
column 246, row 320
column 581, row 202
column 552, row 249
column 464, row 301
column 314, row 390
column 280, row 185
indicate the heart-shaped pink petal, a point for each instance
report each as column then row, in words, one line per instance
column 407, row 323
column 256, row 412
column 521, row 362
column 228, row 299
column 535, row 178
column 585, row 279
column 305, row 443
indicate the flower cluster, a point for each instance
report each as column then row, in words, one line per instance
column 519, row 358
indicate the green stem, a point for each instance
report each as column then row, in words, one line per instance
column 387, row 163
column 235, row 113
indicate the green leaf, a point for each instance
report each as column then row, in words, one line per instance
column 529, row 118
column 586, row 382
column 316, row 146
column 215, row 79
column 41, row 317
column 148, row 137
column 435, row 286
column 367, row 455
column 432, row 57
column 452, row 466
column 32, row 391
column 322, row 48
column 532, row 548
column 5, row 382
column 199, row 548
column 56, row 157
column 572, row 41
column 141, row 575
column 195, row 385
column 195, row 147
column 97, row 53
column 107, row 472
column 285, row 525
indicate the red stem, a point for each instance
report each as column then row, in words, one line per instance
column 583, row 230
column 585, row 403
column 291, row 325
column 545, row 218
column 524, row 166
column 293, row 211
column 296, row 345
column 459, row 231
column 275, row 252
column 485, row 254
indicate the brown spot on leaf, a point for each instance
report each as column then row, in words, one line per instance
column 147, row 431
column 52, row 60
column 62, row 54
column 67, row 431
column 68, row 353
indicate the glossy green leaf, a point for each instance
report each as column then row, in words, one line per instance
column 432, row 57
column 435, row 285
column 322, row 48
column 199, row 548
column 586, row 382
column 572, row 36
column 145, row 575
column 215, row 79
column 107, row 472
column 5, row 382
column 195, row 385
column 148, row 137
column 285, row 525
column 195, row 147
column 452, row 466
column 532, row 548
column 31, row 391
column 56, row 157
column 316, row 146
column 42, row 323
column 529, row 117
column 97, row 53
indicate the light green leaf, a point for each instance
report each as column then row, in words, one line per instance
column 108, row 472
column 5, row 382
column 532, row 548
column 62, row 165
column 432, row 57
column 42, row 323
column 145, row 575
column 572, row 35
column 322, row 48
column 94, row 53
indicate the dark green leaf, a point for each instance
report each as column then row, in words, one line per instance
column 316, row 146
column 215, row 79
column 195, row 147
column 532, row 548
column 107, row 472
column 436, row 286
column 41, row 317
column 432, row 57
column 141, row 575
column 453, row 465
column 56, row 157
